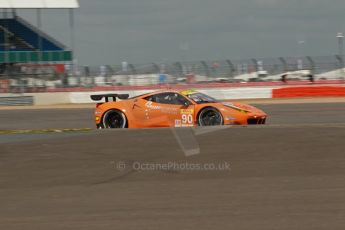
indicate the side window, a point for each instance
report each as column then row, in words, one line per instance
column 168, row 98
column 151, row 98
column 182, row 100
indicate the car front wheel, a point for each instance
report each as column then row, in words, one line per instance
column 210, row 117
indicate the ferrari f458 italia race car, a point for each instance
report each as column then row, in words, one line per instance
column 171, row 108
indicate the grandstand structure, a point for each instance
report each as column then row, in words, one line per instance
column 24, row 42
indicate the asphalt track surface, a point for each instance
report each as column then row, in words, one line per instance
column 287, row 175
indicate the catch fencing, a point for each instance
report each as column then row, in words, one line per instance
column 39, row 77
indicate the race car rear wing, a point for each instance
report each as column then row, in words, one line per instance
column 107, row 96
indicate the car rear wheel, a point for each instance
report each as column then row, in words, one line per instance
column 114, row 119
column 210, row 117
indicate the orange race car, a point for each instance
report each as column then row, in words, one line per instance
column 170, row 108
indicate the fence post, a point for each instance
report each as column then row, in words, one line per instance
column 341, row 65
column 231, row 68
column 312, row 68
column 206, row 68
column 156, row 68
column 177, row 66
column 87, row 75
column 255, row 62
column 285, row 66
column 341, row 61
column 132, row 68
column 312, row 63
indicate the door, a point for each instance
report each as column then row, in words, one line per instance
column 169, row 109
column 140, row 113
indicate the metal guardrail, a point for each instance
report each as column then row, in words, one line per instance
column 16, row 100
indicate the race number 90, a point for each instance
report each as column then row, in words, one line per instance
column 187, row 119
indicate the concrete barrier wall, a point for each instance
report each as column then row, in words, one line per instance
column 238, row 93
column 50, row 98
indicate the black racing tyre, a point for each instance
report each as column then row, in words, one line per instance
column 114, row 119
column 210, row 117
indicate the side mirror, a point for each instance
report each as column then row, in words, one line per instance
column 185, row 103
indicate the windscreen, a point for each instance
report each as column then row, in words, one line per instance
column 201, row 98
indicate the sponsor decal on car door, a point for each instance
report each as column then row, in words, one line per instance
column 186, row 117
